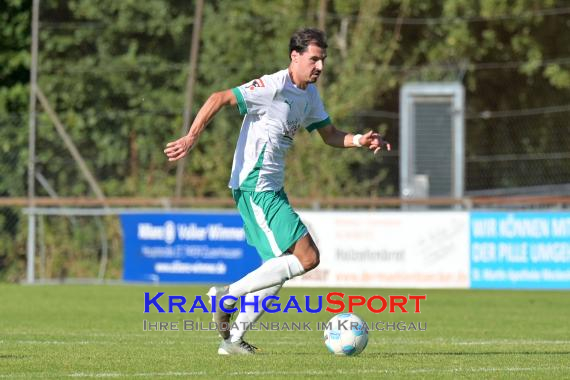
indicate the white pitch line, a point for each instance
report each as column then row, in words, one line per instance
column 57, row 342
column 105, row 375
column 144, row 334
column 387, row 342
column 289, row 341
column 394, row 371
column 141, row 374
column 298, row 373
column 85, row 342
column 515, row 342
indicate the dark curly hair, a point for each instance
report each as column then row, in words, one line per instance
column 301, row 39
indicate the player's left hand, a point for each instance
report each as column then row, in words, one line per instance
column 374, row 142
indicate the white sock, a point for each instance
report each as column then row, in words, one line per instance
column 270, row 273
column 249, row 315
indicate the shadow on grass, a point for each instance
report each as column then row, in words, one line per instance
column 11, row 357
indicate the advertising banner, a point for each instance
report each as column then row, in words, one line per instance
column 186, row 247
column 520, row 250
column 448, row 249
column 389, row 249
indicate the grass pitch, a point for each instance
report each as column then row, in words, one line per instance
column 65, row 331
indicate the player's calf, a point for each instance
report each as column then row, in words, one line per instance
column 306, row 251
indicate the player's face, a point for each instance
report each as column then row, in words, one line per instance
column 309, row 64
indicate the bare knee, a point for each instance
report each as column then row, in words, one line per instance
column 307, row 252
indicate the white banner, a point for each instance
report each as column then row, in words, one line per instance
column 389, row 249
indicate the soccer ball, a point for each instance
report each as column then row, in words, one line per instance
column 346, row 334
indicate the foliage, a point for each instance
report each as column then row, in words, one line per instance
column 115, row 72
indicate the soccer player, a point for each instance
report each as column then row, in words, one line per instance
column 275, row 106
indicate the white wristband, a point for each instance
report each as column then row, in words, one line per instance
column 356, row 140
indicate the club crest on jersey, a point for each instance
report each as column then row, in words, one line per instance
column 255, row 83
column 292, row 128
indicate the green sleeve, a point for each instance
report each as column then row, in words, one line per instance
column 240, row 101
column 319, row 124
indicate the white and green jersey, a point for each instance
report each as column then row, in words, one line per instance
column 274, row 110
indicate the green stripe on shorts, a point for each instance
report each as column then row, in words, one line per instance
column 271, row 225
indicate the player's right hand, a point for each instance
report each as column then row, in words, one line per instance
column 175, row 150
column 374, row 142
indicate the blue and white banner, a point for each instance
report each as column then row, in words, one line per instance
column 520, row 250
column 491, row 250
column 189, row 247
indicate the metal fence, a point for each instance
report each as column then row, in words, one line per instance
column 523, row 152
column 509, row 153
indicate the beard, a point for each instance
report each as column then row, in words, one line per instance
column 314, row 77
